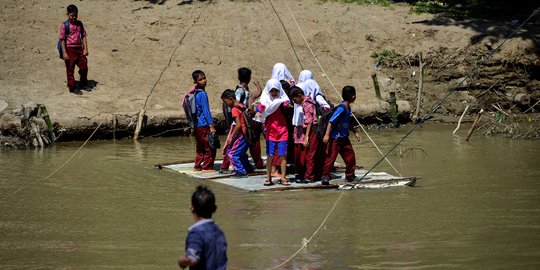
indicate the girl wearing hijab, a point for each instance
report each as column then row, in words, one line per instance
column 313, row 90
column 281, row 73
column 273, row 101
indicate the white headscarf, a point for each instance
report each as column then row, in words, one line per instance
column 311, row 88
column 304, row 75
column 272, row 104
column 280, row 72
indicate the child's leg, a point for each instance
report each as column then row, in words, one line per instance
column 283, row 165
column 208, row 155
column 270, row 149
column 226, row 163
column 332, row 152
column 299, row 160
column 238, row 156
column 311, row 157
column 255, row 152
column 269, row 169
column 347, row 153
column 199, row 133
column 282, row 152
column 82, row 64
column 70, row 68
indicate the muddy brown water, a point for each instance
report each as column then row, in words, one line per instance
column 476, row 206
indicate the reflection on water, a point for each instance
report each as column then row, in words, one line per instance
column 475, row 206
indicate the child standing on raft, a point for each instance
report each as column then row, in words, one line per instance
column 273, row 103
column 337, row 137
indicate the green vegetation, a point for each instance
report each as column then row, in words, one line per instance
column 439, row 7
column 388, row 58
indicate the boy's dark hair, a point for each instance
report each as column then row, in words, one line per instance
column 196, row 74
column 244, row 74
column 72, row 8
column 296, row 91
column 203, row 202
column 228, row 93
column 348, row 92
column 286, row 86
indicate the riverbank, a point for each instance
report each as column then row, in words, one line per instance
column 142, row 55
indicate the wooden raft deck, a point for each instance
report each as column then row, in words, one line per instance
column 254, row 183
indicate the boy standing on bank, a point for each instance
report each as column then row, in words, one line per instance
column 74, row 50
column 206, row 246
column 205, row 156
column 337, row 137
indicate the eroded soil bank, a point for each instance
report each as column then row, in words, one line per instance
column 142, row 55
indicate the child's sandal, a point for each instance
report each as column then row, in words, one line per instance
column 268, row 183
column 284, row 182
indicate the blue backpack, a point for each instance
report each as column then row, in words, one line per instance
column 66, row 34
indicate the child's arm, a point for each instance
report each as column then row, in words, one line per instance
column 184, row 262
column 85, row 45
column 206, row 110
column 356, row 133
column 236, row 130
column 306, row 137
column 326, row 137
column 64, row 52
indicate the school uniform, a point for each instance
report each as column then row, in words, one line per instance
column 206, row 245
column 74, row 50
column 310, row 153
column 339, row 142
column 242, row 96
column 237, row 152
column 205, row 156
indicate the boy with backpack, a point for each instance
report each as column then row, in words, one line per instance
column 336, row 137
column 305, row 121
column 236, row 140
column 245, row 97
column 73, row 50
column 198, row 113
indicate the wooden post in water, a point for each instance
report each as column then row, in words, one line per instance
column 376, row 85
column 420, row 86
column 393, row 109
column 114, row 123
column 139, row 125
column 478, row 116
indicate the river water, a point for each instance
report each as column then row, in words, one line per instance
column 476, row 206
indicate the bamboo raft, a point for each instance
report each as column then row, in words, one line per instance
column 254, row 183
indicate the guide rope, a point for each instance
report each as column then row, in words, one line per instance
column 174, row 51
column 57, row 169
column 334, row 87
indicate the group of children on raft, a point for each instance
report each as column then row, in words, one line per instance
column 288, row 110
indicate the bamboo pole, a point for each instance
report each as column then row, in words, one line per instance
column 476, row 121
column 376, row 85
column 139, row 124
column 420, row 86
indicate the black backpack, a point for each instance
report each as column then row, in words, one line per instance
column 253, row 128
column 323, row 118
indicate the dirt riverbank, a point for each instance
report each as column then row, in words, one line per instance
column 142, row 55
